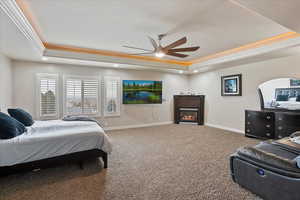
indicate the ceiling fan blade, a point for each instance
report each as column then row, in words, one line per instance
column 184, row 49
column 137, row 48
column 177, row 54
column 140, row 53
column 175, row 44
column 153, row 43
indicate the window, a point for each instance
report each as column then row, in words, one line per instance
column 81, row 96
column 111, row 96
column 47, row 93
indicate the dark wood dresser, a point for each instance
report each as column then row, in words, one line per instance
column 189, row 108
column 271, row 124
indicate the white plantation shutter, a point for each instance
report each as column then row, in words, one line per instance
column 73, row 97
column 81, row 96
column 112, row 96
column 47, row 96
column 90, row 96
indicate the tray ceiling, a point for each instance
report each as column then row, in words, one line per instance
column 219, row 27
column 215, row 25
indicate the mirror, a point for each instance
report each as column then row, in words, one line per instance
column 281, row 93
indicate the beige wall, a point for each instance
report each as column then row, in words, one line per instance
column 223, row 112
column 228, row 112
column 5, row 83
column 24, row 90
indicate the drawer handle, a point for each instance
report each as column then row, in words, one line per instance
column 248, row 123
column 268, row 134
column 280, row 118
column 279, row 127
column 268, row 125
column 279, row 136
column 268, row 117
column 248, row 131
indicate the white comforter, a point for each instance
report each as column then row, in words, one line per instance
column 46, row 139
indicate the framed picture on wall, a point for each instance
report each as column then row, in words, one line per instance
column 231, row 85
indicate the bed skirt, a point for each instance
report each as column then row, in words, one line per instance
column 78, row 157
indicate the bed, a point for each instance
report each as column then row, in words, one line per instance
column 48, row 143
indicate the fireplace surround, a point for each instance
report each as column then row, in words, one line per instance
column 189, row 109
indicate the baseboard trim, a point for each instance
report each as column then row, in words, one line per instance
column 137, row 126
column 225, row 128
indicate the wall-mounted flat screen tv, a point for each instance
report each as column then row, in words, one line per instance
column 142, row 92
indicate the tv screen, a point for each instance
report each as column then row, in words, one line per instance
column 142, row 92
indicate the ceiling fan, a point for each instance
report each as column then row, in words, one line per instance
column 170, row 50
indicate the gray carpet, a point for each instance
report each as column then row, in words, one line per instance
column 172, row 162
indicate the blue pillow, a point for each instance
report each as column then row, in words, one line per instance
column 21, row 115
column 10, row 127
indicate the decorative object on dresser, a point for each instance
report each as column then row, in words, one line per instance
column 189, row 108
column 231, row 85
column 268, row 124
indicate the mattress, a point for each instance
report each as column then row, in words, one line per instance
column 47, row 139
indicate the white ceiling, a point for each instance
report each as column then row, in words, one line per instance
column 215, row 25
column 285, row 12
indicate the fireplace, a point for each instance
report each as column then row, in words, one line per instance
column 188, row 115
column 189, row 108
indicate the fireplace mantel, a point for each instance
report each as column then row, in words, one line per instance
column 189, row 108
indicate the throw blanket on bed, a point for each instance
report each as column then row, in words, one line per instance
column 106, row 143
column 81, row 118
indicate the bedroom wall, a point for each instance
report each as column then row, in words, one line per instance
column 131, row 115
column 228, row 112
column 5, row 83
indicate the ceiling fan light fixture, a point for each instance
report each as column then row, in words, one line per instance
column 160, row 54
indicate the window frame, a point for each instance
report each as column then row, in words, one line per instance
column 39, row 77
column 118, row 113
column 82, row 78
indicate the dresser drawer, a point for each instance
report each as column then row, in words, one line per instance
column 286, row 124
column 264, row 117
column 259, row 124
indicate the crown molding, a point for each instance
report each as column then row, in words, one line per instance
column 121, row 66
column 65, row 48
column 13, row 11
